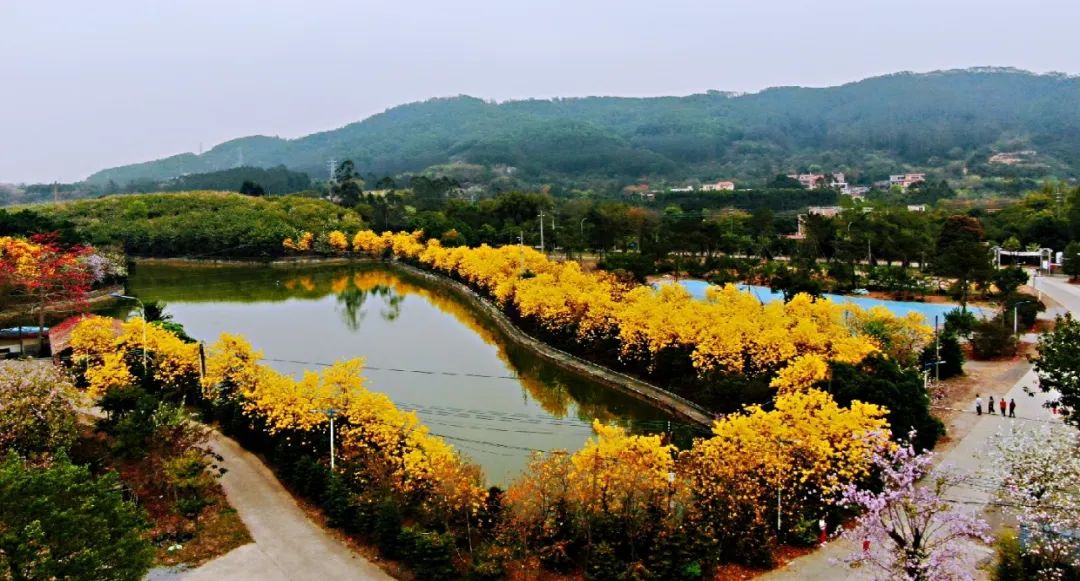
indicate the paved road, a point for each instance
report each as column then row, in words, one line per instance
column 288, row 545
column 971, row 458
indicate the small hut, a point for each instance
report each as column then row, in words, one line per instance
column 19, row 341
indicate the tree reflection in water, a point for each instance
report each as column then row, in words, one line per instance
column 352, row 301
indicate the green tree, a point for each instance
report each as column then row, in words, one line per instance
column 62, row 522
column 880, row 380
column 1007, row 280
column 961, row 254
column 1058, row 365
column 346, row 186
column 250, row 188
column 993, row 338
column 1072, row 260
column 783, row 182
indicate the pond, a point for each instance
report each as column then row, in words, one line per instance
column 425, row 348
column 899, row 308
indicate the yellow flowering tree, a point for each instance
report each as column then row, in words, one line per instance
column 805, row 450
column 338, row 241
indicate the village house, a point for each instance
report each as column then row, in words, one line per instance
column 19, row 341
column 906, row 180
column 718, row 187
column 825, row 211
column 811, row 181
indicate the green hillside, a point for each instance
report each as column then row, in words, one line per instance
column 198, row 224
column 948, row 121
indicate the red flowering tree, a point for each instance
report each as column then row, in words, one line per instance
column 45, row 272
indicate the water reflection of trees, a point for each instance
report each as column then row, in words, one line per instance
column 352, row 302
column 557, row 392
column 554, row 392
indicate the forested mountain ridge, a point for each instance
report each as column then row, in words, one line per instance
column 950, row 121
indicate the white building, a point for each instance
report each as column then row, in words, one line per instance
column 718, row 186
column 906, row 180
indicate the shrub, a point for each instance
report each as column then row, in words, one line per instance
column 429, row 554
column 1027, row 308
column 604, row 564
column 992, row 339
column 487, row 565
column 1009, row 565
column 62, row 522
column 960, row 322
column 187, row 476
column 952, row 357
column 388, row 528
column 637, row 265
column 336, row 501
column 36, row 413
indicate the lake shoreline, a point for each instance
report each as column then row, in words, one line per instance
column 632, row 386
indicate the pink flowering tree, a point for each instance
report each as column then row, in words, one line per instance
column 907, row 530
column 1041, row 488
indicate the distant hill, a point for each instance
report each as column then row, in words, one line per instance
column 951, row 121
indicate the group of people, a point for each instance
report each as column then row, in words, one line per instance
column 1010, row 407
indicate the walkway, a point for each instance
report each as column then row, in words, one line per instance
column 288, row 545
column 971, row 458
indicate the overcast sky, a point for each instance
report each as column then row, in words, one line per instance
column 91, row 84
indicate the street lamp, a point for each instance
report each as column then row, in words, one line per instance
column 331, row 412
column 1015, row 311
column 143, row 308
column 787, row 442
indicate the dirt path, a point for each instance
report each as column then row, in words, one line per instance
column 288, row 545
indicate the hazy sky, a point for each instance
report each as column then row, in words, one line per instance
column 88, row 84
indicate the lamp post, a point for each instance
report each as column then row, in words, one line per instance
column 1015, row 312
column 331, row 413
column 143, row 308
column 779, row 508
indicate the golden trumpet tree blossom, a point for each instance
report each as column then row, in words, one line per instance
column 621, row 473
column 338, row 241
column 729, row 333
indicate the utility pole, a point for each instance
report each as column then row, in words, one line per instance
column 541, row 230
column 937, row 351
column 331, row 412
column 521, row 251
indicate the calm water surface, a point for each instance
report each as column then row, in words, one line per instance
column 697, row 288
column 425, row 349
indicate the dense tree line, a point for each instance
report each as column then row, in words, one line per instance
column 198, row 224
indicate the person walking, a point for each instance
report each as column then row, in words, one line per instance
column 990, row 408
column 978, row 404
column 1001, row 405
column 1012, row 408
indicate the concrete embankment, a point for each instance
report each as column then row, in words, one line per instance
column 633, row 386
column 641, row 390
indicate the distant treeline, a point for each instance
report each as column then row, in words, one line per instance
column 273, row 181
